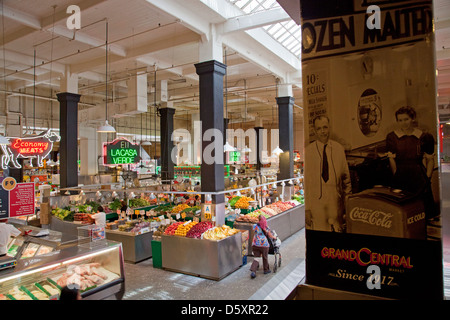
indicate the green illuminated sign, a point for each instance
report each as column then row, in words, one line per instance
column 120, row 151
column 235, row 156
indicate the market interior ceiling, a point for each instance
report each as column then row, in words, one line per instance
column 40, row 57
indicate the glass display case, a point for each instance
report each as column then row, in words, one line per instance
column 97, row 272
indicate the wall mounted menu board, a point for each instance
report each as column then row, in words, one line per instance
column 16, row 199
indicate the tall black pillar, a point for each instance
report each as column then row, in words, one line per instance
column 68, row 126
column 259, row 147
column 211, row 116
column 167, row 165
column 286, row 137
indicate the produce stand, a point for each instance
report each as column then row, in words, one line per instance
column 136, row 247
column 203, row 258
column 285, row 224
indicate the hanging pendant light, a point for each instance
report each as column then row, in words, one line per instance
column 277, row 151
column 228, row 148
column 106, row 128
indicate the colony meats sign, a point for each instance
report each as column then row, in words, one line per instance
column 28, row 147
column 119, row 152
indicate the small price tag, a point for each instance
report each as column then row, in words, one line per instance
column 178, row 216
column 161, row 217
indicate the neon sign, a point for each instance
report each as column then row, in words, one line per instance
column 37, row 147
column 120, row 151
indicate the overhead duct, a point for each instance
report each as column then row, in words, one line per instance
column 136, row 101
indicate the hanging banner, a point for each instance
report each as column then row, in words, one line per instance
column 120, row 152
column 371, row 142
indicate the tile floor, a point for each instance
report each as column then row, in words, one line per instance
column 143, row 282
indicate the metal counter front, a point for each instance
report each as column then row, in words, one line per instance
column 200, row 257
column 135, row 247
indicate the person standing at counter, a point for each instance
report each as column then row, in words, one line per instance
column 411, row 158
column 327, row 180
column 260, row 246
column 99, row 217
column 6, row 232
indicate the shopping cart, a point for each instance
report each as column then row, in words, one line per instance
column 275, row 250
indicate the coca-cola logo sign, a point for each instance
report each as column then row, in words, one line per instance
column 373, row 217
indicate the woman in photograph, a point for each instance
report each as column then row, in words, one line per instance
column 411, row 158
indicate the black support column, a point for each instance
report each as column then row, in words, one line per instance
column 68, row 126
column 211, row 116
column 167, row 165
column 286, row 137
column 259, row 147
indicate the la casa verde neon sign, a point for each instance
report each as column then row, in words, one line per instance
column 120, row 151
column 37, row 147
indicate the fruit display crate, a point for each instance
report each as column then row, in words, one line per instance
column 200, row 257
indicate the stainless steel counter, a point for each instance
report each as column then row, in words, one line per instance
column 135, row 247
column 200, row 257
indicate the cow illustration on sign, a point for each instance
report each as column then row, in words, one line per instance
column 29, row 147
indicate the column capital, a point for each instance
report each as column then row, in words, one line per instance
column 68, row 96
column 285, row 100
column 210, row 66
column 167, row 110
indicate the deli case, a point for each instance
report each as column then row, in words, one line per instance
column 97, row 271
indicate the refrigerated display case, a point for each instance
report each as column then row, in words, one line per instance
column 98, row 272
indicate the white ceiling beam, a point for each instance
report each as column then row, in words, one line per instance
column 93, row 76
column 47, row 25
column 143, row 50
column 27, row 60
column 32, row 23
column 251, row 50
column 89, row 40
column 22, row 17
column 253, row 21
column 186, row 17
column 266, row 51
